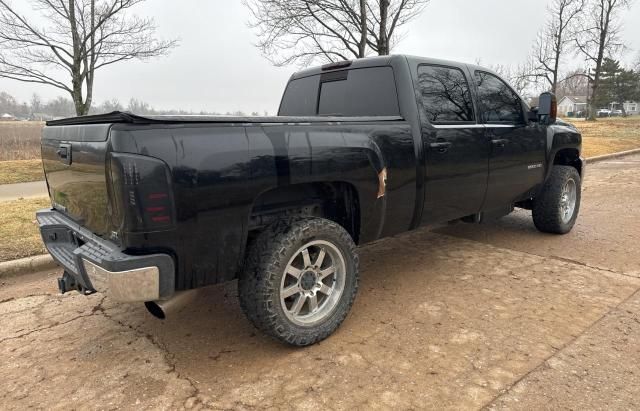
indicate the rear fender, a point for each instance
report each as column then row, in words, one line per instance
column 359, row 165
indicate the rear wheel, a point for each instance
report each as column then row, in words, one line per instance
column 300, row 280
column 556, row 207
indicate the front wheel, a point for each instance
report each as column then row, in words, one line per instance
column 556, row 207
column 300, row 280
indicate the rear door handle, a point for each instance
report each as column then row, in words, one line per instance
column 441, row 146
column 500, row 142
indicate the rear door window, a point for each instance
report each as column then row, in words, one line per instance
column 499, row 104
column 445, row 95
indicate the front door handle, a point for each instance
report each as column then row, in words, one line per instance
column 500, row 142
column 441, row 146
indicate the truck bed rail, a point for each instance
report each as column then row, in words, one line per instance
column 130, row 118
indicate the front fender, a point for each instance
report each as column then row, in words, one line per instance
column 564, row 143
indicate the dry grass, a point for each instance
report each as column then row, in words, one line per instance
column 20, row 140
column 609, row 135
column 19, row 235
column 20, row 171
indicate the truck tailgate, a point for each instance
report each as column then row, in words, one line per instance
column 74, row 159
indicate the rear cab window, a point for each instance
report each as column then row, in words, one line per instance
column 300, row 97
column 360, row 92
column 444, row 94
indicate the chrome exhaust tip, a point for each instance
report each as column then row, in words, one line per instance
column 163, row 308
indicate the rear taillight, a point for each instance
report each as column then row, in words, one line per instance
column 142, row 193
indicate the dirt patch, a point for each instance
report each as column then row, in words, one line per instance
column 91, row 361
column 19, row 235
column 439, row 323
column 21, row 171
column 599, row 371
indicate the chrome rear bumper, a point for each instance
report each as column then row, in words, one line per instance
column 98, row 265
column 139, row 284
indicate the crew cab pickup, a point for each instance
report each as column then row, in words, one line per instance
column 145, row 209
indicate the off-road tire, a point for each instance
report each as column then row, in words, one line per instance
column 546, row 205
column 260, row 280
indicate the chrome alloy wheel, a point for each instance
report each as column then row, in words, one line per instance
column 313, row 283
column 568, row 198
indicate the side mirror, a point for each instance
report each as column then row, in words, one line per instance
column 547, row 108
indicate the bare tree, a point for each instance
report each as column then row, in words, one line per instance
column 80, row 37
column 36, row 103
column 519, row 77
column 553, row 41
column 304, row 31
column 574, row 83
column 599, row 37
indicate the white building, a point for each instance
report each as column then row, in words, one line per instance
column 572, row 104
column 631, row 107
column 7, row 117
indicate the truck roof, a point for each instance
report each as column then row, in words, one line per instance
column 375, row 62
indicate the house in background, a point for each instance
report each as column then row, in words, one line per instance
column 7, row 117
column 631, row 107
column 572, row 104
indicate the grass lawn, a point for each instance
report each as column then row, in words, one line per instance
column 608, row 135
column 20, row 171
column 19, row 236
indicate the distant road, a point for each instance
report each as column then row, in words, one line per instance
column 23, row 190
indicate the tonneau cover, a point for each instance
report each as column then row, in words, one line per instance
column 125, row 117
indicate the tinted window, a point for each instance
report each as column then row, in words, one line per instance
column 357, row 92
column 445, row 94
column 364, row 92
column 332, row 98
column 300, row 97
column 498, row 103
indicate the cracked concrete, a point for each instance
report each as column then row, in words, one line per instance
column 495, row 316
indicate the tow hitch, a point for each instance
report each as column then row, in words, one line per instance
column 67, row 283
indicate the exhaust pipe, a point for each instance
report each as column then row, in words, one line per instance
column 162, row 308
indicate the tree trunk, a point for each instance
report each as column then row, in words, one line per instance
column 383, row 39
column 81, row 103
column 605, row 19
column 362, row 47
column 596, row 79
column 556, row 67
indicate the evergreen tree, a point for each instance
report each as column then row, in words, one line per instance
column 618, row 85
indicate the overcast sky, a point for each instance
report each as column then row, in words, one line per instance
column 217, row 68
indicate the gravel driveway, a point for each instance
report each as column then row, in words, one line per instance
column 467, row 316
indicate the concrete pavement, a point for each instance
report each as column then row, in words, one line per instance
column 23, row 190
column 496, row 316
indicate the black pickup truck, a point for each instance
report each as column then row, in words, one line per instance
column 146, row 208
